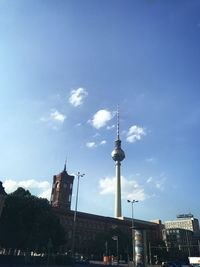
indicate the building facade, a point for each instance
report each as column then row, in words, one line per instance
column 90, row 227
column 61, row 193
column 182, row 237
column 86, row 231
column 184, row 221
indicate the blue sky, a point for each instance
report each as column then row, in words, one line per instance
column 64, row 67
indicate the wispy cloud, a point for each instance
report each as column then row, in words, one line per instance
column 101, row 118
column 159, row 183
column 130, row 188
column 96, row 135
column 94, row 144
column 42, row 188
column 103, row 142
column 135, row 133
column 110, row 127
column 151, row 160
column 149, row 180
column 90, row 144
column 77, row 96
column 54, row 119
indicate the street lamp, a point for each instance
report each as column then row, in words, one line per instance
column 133, row 232
column 75, row 214
column 117, row 248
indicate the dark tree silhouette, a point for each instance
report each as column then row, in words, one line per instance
column 104, row 243
column 27, row 222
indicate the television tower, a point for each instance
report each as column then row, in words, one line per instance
column 118, row 155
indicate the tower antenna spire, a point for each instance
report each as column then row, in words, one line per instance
column 65, row 164
column 118, row 155
column 118, row 122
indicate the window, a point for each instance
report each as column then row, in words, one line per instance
column 57, row 186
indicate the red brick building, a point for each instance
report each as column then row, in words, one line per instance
column 89, row 226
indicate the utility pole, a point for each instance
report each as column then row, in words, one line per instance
column 75, row 214
column 150, row 262
column 133, row 231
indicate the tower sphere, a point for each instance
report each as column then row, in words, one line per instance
column 118, row 154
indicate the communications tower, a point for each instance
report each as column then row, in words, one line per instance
column 118, row 155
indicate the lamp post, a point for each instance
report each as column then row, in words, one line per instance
column 116, row 238
column 133, row 231
column 75, row 214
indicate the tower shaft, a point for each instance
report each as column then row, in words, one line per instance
column 118, row 155
column 118, row 209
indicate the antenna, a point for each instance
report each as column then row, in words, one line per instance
column 118, row 122
column 65, row 164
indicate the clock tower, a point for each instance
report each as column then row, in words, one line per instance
column 62, row 190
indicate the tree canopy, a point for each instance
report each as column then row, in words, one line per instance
column 105, row 243
column 28, row 222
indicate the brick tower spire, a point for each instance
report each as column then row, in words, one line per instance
column 62, row 190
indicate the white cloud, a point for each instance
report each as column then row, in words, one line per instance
column 130, row 188
column 93, row 144
column 77, row 96
column 101, row 118
column 107, row 185
column 110, row 127
column 57, row 116
column 42, row 187
column 103, row 142
column 46, row 194
column 135, row 133
column 149, row 180
column 90, row 144
column 54, row 120
column 160, row 185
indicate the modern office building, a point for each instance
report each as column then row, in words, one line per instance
column 184, row 221
column 182, row 237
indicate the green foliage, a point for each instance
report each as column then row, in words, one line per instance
column 104, row 243
column 28, row 222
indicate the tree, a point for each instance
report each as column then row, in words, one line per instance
column 28, row 222
column 105, row 244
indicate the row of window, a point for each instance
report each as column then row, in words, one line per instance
column 84, row 224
